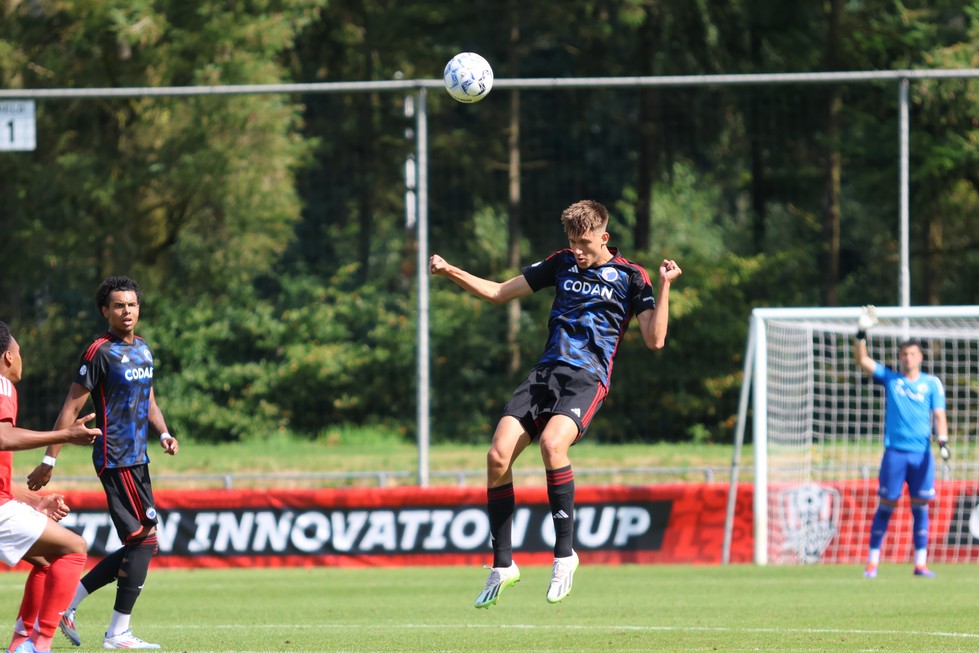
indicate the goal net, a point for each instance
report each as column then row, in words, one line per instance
column 817, row 433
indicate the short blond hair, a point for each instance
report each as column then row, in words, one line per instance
column 584, row 217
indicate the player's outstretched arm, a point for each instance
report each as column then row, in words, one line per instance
column 491, row 291
column 654, row 323
column 13, row 438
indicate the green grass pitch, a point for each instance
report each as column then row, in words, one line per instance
column 612, row 608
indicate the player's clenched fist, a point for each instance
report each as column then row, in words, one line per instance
column 669, row 270
column 437, row 265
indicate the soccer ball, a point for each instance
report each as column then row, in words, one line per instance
column 468, row 77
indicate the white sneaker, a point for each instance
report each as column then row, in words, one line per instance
column 499, row 579
column 562, row 575
column 126, row 640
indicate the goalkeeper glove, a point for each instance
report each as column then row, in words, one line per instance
column 943, row 449
column 868, row 320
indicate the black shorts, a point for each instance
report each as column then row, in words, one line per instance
column 129, row 493
column 556, row 390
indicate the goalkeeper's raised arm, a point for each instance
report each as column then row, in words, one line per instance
column 868, row 320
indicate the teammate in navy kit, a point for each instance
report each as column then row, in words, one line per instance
column 597, row 292
column 914, row 409
column 116, row 371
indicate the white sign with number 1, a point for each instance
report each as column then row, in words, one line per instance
column 17, row 125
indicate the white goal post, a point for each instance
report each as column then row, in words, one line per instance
column 817, row 433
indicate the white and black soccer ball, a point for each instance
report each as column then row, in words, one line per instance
column 468, row 77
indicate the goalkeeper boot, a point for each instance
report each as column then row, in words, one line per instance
column 499, row 579
column 870, row 571
column 924, row 571
column 562, row 575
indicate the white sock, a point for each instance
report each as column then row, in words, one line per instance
column 118, row 624
column 874, row 557
column 920, row 557
column 19, row 628
column 80, row 595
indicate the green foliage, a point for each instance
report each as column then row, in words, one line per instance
column 300, row 361
column 269, row 233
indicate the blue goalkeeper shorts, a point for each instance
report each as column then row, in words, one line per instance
column 916, row 468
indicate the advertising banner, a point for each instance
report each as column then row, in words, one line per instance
column 830, row 522
column 680, row 523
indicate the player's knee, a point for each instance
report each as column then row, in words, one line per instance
column 496, row 462
column 552, row 449
column 77, row 544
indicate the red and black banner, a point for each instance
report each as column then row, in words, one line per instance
column 680, row 523
column 830, row 523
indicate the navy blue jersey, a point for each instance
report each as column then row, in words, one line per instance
column 591, row 309
column 120, row 377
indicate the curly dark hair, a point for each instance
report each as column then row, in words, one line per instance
column 114, row 284
column 4, row 337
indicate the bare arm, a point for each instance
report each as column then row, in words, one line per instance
column 74, row 402
column 169, row 444
column 52, row 505
column 654, row 323
column 13, row 438
column 491, row 291
column 940, row 424
column 862, row 358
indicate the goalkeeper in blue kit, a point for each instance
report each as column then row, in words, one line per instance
column 914, row 409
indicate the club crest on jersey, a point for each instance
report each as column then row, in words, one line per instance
column 83, row 370
column 610, row 274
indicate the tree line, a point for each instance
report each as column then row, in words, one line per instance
column 269, row 231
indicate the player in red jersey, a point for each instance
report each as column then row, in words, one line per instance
column 28, row 521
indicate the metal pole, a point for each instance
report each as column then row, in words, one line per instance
column 760, row 438
column 904, row 275
column 732, row 493
column 423, row 378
